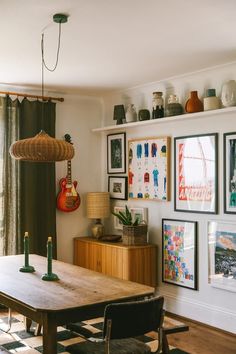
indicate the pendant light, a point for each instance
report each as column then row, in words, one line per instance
column 42, row 147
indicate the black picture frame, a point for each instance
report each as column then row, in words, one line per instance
column 116, row 153
column 181, row 268
column 196, row 161
column 118, row 187
column 230, row 173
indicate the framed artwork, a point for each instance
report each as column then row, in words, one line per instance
column 196, row 166
column 116, row 153
column 149, row 168
column 117, row 186
column 222, row 255
column 179, row 253
column 140, row 213
column 230, row 173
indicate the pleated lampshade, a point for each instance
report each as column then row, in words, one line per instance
column 41, row 148
column 98, row 205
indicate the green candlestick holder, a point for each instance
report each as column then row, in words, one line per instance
column 26, row 268
column 49, row 276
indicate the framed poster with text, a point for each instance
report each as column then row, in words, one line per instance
column 196, row 182
column 179, row 253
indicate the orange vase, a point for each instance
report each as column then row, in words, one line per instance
column 194, row 104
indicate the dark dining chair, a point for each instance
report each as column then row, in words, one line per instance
column 122, row 323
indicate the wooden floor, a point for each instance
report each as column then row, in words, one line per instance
column 201, row 339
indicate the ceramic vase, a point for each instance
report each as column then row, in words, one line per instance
column 173, row 108
column 228, row 95
column 157, row 105
column 130, row 115
column 193, row 104
column 211, row 101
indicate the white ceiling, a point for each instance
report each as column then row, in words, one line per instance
column 113, row 44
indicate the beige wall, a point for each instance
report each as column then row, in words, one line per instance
column 77, row 116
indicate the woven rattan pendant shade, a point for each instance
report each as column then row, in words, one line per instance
column 42, row 148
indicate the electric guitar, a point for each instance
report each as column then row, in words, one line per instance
column 68, row 198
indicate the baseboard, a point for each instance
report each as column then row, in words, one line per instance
column 205, row 313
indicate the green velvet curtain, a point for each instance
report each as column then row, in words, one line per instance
column 27, row 190
column 10, row 235
column 37, row 180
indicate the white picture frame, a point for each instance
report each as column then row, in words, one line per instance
column 142, row 213
column 222, row 254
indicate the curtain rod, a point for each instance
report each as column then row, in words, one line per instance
column 44, row 98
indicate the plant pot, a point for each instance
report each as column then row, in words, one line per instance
column 135, row 235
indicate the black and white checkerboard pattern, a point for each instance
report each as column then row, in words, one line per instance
column 17, row 340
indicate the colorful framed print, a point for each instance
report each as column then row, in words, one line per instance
column 149, row 168
column 196, row 166
column 140, row 213
column 230, row 173
column 222, row 255
column 117, row 186
column 116, row 153
column 179, row 253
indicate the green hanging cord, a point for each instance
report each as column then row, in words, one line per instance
column 57, row 18
column 58, row 50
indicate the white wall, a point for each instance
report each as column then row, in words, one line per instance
column 77, row 115
column 213, row 306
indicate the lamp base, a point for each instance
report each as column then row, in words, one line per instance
column 119, row 121
column 97, row 229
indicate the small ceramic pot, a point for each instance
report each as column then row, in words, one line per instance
column 211, row 101
column 143, row 114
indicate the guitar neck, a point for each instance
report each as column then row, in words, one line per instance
column 69, row 172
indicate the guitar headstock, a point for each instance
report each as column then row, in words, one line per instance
column 68, row 138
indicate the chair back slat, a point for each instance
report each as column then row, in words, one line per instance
column 132, row 319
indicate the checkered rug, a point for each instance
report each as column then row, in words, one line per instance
column 17, row 340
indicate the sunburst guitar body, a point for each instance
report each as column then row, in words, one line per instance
column 68, row 198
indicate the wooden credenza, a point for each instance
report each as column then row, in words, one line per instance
column 135, row 263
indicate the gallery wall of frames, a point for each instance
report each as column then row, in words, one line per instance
column 196, row 189
column 178, row 174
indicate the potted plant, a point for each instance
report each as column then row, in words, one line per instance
column 134, row 232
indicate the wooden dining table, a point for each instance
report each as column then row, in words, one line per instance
column 79, row 294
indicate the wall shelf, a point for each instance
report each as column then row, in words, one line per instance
column 186, row 116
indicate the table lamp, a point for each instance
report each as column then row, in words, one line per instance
column 98, row 207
